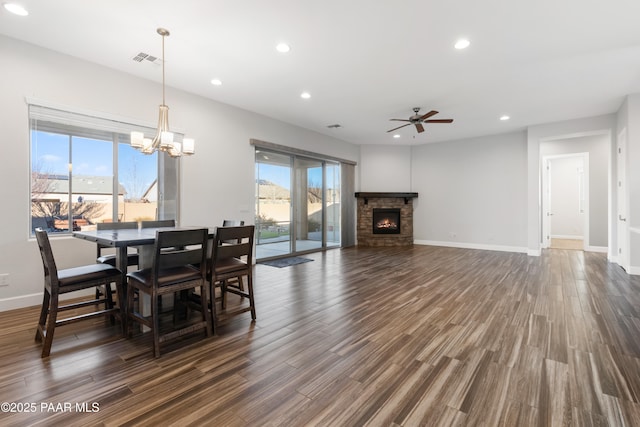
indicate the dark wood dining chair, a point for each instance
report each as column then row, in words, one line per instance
column 58, row 282
column 172, row 272
column 231, row 259
column 159, row 223
column 236, row 283
column 104, row 258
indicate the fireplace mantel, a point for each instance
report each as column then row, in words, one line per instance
column 379, row 195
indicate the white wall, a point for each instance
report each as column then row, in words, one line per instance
column 598, row 147
column 385, row 168
column 472, row 193
column 216, row 183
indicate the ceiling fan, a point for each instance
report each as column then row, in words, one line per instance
column 418, row 120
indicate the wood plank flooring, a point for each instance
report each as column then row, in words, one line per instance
column 363, row 336
column 574, row 244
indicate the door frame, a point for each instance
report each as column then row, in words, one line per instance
column 622, row 257
column 546, row 197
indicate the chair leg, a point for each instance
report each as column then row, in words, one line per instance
column 43, row 316
column 223, row 294
column 212, row 298
column 206, row 314
column 120, row 294
column 251, row 299
column 51, row 326
column 155, row 320
column 108, row 304
column 130, row 310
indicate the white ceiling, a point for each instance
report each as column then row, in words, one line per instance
column 364, row 62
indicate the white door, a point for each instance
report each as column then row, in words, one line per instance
column 623, row 226
column 565, row 198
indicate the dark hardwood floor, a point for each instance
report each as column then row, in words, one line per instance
column 378, row 336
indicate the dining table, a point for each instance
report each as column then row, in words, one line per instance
column 143, row 239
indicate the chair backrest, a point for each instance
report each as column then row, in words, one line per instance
column 233, row 242
column 48, row 263
column 129, row 225
column 193, row 249
column 232, row 223
column 159, row 223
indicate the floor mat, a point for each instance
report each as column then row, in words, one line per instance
column 285, row 262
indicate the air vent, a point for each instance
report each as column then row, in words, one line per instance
column 334, row 126
column 146, row 57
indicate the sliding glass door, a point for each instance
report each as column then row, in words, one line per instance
column 273, row 204
column 308, row 204
column 297, row 204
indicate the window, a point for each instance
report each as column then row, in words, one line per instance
column 84, row 171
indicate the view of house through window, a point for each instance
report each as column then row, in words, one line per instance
column 84, row 171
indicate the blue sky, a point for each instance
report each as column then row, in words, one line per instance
column 50, row 154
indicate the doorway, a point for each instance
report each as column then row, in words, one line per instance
column 566, row 201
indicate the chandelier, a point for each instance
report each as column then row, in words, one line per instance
column 163, row 141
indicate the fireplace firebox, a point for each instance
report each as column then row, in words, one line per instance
column 386, row 221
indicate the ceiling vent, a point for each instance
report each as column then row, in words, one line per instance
column 335, row 126
column 141, row 57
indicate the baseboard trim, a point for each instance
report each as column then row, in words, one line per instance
column 566, row 236
column 461, row 245
column 534, row 252
column 601, row 249
column 21, row 301
column 635, row 271
column 31, row 300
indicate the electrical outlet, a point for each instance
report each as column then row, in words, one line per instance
column 4, row 279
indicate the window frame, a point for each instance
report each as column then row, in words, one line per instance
column 73, row 123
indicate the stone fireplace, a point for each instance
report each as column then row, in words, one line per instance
column 385, row 219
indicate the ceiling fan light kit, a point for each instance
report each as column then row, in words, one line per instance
column 417, row 120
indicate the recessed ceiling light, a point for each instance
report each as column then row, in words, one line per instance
column 396, row 136
column 305, row 95
column 283, row 48
column 462, row 44
column 216, row 82
column 16, row 9
column 504, row 117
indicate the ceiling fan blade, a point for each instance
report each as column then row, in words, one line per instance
column 398, row 127
column 439, row 121
column 399, row 120
column 419, row 127
column 429, row 114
